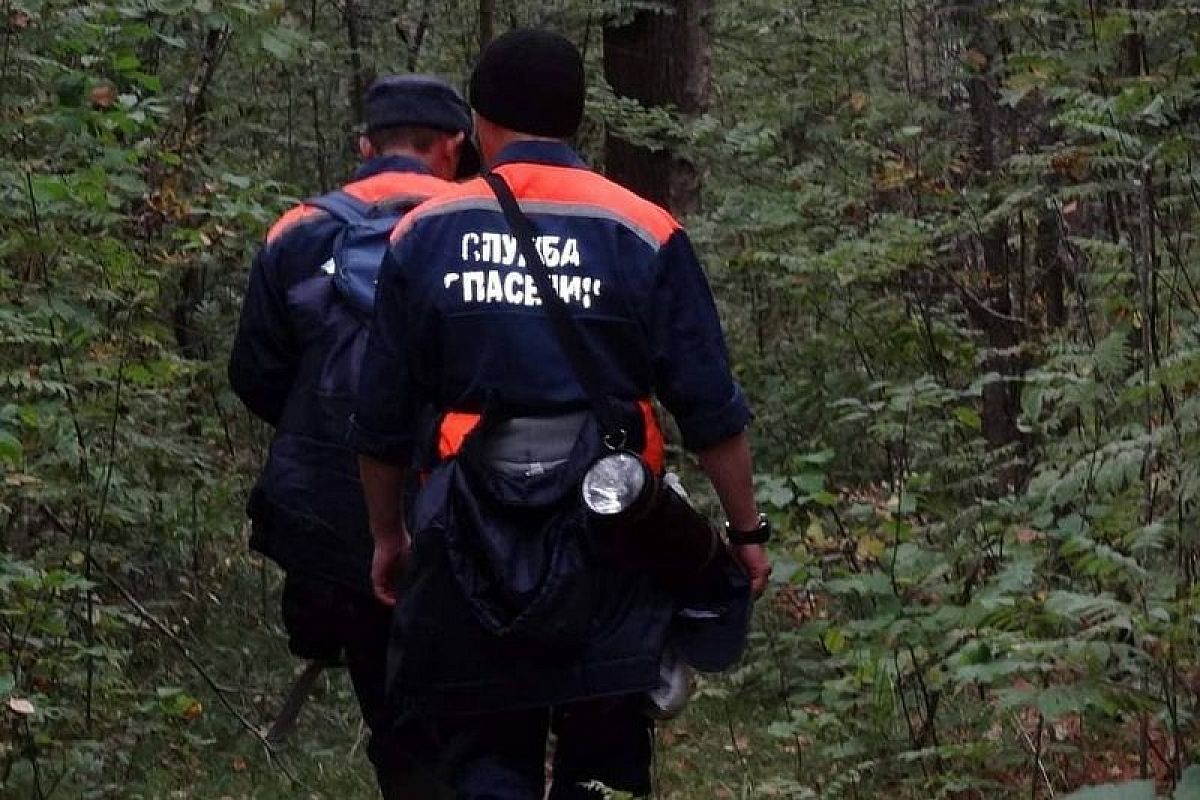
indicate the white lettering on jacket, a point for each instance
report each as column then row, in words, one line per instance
column 500, row 249
column 515, row 286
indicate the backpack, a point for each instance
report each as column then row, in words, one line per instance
column 361, row 245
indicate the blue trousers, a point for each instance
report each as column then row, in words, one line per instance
column 502, row 756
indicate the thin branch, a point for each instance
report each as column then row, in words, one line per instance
column 1035, row 752
column 293, row 701
column 56, row 345
column 165, row 631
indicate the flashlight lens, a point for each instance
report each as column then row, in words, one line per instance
column 613, row 484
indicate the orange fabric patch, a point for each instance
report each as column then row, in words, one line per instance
column 655, row 449
column 375, row 189
column 455, row 428
column 290, row 219
column 388, row 185
column 539, row 182
column 551, row 184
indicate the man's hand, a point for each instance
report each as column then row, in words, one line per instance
column 756, row 562
column 727, row 465
column 387, row 565
column 383, row 489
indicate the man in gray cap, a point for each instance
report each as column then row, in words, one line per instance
column 295, row 364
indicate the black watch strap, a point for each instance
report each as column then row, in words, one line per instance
column 758, row 535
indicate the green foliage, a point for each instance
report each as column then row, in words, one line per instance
column 974, row 378
column 970, row 612
column 122, row 460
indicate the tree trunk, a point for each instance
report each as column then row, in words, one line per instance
column 191, row 286
column 992, row 308
column 413, row 40
column 358, row 76
column 659, row 59
column 1050, row 267
column 487, row 23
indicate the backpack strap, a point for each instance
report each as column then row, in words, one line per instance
column 342, row 206
column 349, row 209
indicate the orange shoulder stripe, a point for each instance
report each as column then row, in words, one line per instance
column 388, row 185
column 385, row 186
column 289, row 219
column 569, row 185
column 570, row 188
column 475, row 189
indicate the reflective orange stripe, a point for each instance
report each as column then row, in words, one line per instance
column 655, row 449
column 457, row 426
column 291, row 218
column 388, row 185
column 545, row 183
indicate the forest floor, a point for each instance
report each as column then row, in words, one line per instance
column 719, row 748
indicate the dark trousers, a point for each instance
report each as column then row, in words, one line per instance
column 334, row 625
column 502, row 756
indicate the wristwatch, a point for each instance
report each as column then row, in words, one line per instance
column 760, row 534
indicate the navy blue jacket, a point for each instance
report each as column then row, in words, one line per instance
column 458, row 328
column 295, row 364
column 458, row 323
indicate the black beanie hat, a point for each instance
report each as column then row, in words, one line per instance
column 530, row 81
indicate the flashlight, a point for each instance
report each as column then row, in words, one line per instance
column 652, row 525
column 617, row 485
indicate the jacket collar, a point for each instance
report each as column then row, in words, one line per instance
column 536, row 151
column 380, row 164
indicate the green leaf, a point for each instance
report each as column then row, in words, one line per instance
column 10, row 449
column 810, row 482
column 968, row 417
column 820, row 458
column 279, row 42
column 827, row 499
column 781, row 497
column 835, row 640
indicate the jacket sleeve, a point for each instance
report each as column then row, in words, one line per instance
column 266, row 354
column 383, row 426
column 691, row 363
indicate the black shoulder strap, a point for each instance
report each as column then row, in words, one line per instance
column 341, row 206
column 569, row 336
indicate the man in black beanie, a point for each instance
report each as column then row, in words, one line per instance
column 514, row 619
column 530, row 82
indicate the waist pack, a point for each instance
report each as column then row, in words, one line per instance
column 532, row 564
column 519, row 544
column 361, row 245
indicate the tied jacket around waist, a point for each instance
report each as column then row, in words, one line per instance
column 459, row 331
column 295, row 364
